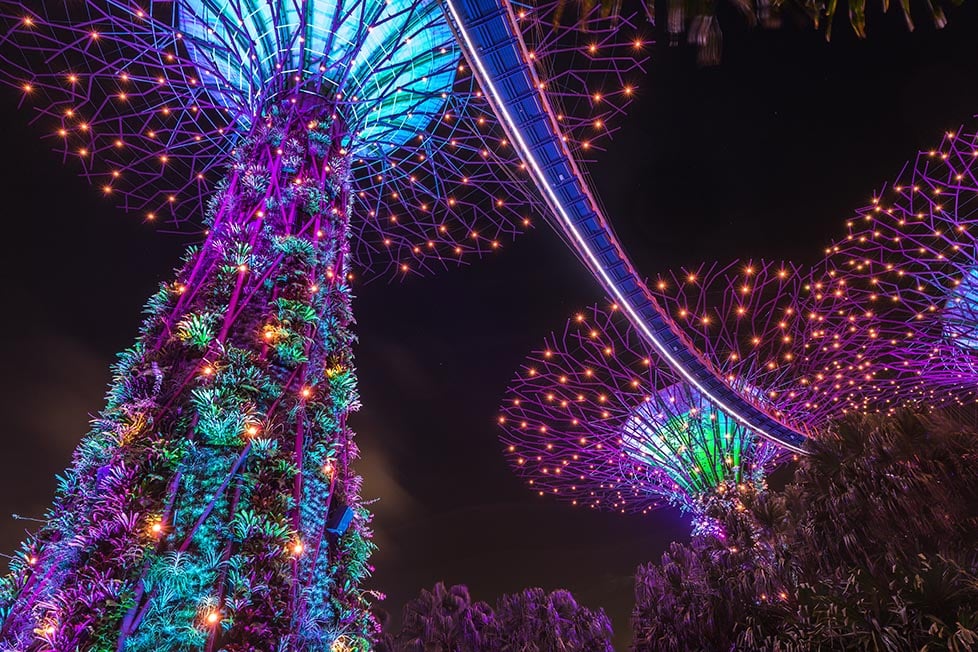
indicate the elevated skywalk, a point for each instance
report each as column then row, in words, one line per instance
column 498, row 57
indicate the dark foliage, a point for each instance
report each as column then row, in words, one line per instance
column 698, row 18
column 872, row 548
column 446, row 620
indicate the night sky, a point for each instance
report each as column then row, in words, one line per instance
column 763, row 156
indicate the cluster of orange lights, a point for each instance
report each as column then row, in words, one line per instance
column 123, row 95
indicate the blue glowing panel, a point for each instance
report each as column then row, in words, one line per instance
column 385, row 65
column 961, row 312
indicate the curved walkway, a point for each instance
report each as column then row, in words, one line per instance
column 497, row 55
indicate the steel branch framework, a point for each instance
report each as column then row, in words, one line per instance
column 762, row 327
column 900, row 288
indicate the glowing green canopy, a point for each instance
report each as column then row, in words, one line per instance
column 696, row 445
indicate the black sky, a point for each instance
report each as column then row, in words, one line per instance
column 763, row 156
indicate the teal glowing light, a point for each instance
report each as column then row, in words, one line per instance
column 386, row 66
column 697, row 446
column 961, row 312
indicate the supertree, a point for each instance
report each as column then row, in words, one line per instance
column 762, row 325
column 902, row 286
column 885, row 320
column 598, row 419
column 214, row 505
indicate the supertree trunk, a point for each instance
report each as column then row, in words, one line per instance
column 213, row 506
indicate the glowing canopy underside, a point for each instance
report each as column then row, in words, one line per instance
column 698, row 446
column 389, row 64
column 902, row 288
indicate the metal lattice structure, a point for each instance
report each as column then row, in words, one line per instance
column 749, row 320
column 900, row 288
column 597, row 419
column 151, row 98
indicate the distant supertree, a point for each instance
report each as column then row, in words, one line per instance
column 214, row 505
column 761, row 324
column 597, row 419
column 886, row 320
column 902, row 286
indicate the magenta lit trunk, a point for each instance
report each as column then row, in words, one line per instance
column 213, row 504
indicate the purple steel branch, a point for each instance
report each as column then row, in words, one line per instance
column 900, row 289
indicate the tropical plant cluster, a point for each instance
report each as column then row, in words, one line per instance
column 872, row 547
column 212, row 505
column 446, row 619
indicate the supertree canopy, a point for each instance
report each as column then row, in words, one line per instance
column 902, row 286
column 761, row 325
column 748, row 319
column 214, row 505
column 886, row 320
column 597, row 419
